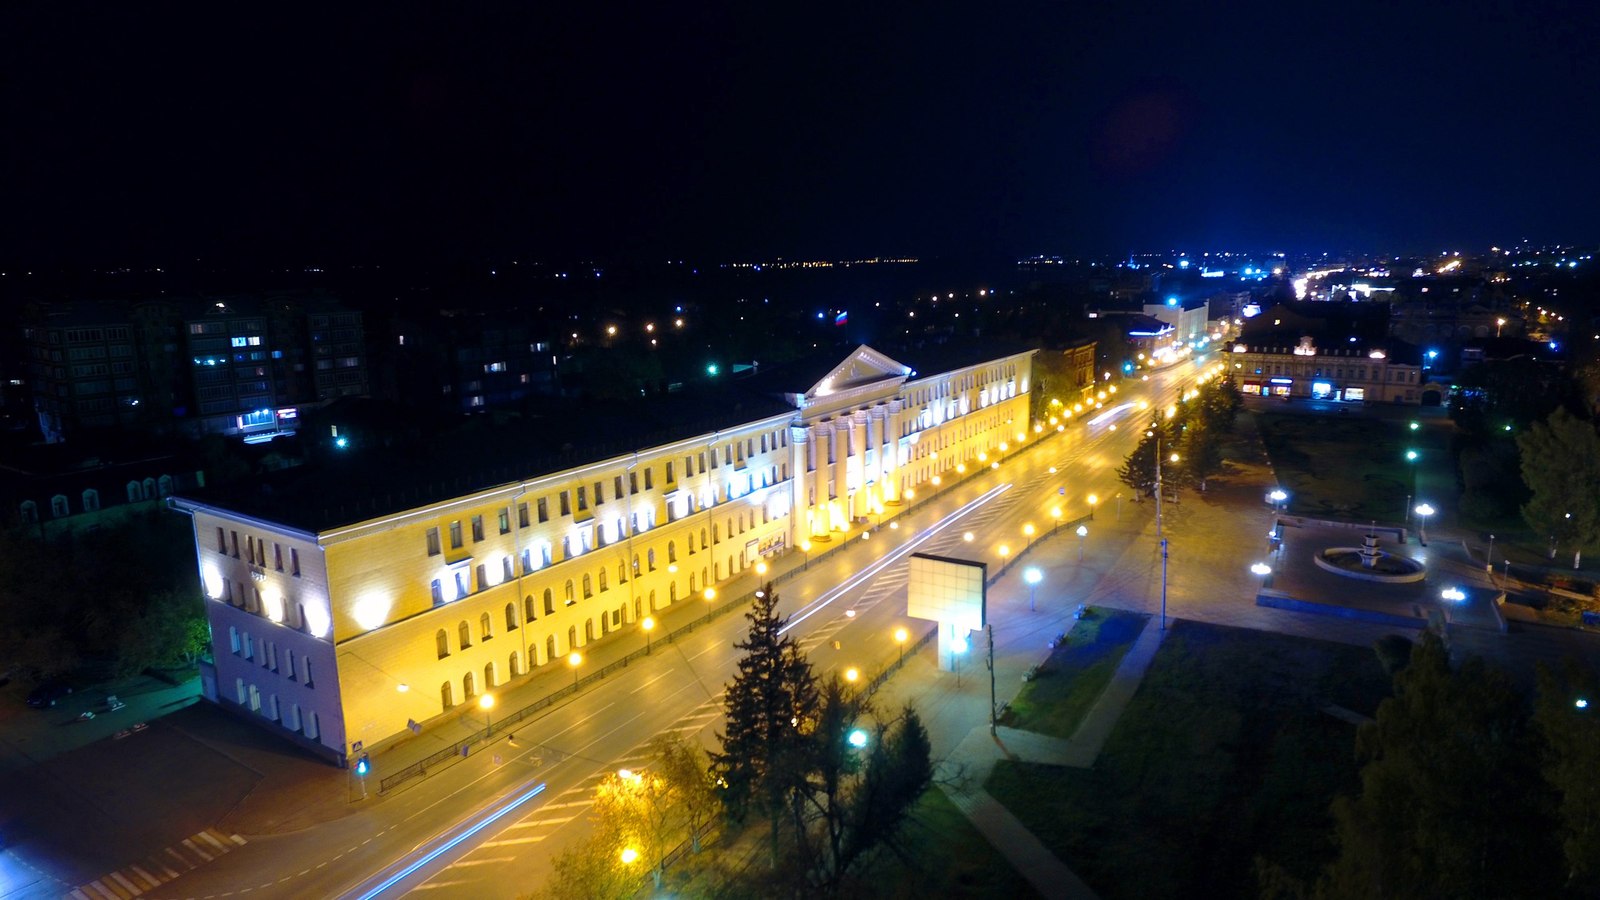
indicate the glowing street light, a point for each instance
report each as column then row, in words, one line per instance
column 1055, row 513
column 648, row 623
column 1277, row 497
column 900, row 635
column 1005, row 553
column 1093, row 502
column 629, row 856
column 958, row 647
column 1032, row 576
column 711, row 594
column 1083, row 532
column 761, row 567
column 969, row 537
column 1423, row 512
column 575, row 659
column 858, row 738
column 1453, row 594
column 486, row 703
column 852, row 674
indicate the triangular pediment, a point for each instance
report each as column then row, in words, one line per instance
column 863, row 367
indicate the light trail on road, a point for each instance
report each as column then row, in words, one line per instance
column 445, row 847
column 891, row 558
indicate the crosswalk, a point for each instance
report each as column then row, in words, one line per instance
column 160, row 867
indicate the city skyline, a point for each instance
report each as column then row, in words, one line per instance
column 743, row 134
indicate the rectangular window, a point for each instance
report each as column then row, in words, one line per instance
column 702, row 461
column 633, row 482
column 222, row 541
column 617, row 486
column 522, row 515
column 648, row 485
column 305, row 671
column 544, row 509
column 566, row 504
column 506, row 574
column 670, row 477
column 477, row 528
column 235, row 536
column 505, row 521
column 277, row 556
column 599, row 493
column 483, row 577
column 288, row 663
column 438, row 593
column 455, row 535
column 433, row 542
column 583, row 499
column 294, row 562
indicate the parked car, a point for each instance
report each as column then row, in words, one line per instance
column 48, row 694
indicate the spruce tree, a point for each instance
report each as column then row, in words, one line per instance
column 771, row 707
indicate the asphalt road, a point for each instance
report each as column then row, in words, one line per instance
column 490, row 825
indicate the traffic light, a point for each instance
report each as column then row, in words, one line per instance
column 363, row 765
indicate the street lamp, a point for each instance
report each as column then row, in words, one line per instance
column 857, row 738
column 1032, row 576
column 968, row 537
column 649, row 625
column 852, row 674
column 805, row 555
column 711, row 594
column 486, row 703
column 575, row 659
column 900, row 635
column 958, row 647
column 1093, row 502
column 1055, row 513
column 1005, row 553
column 1083, row 532
column 1423, row 512
column 1277, row 497
column 1027, row 531
column 1263, row 570
column 1488, row 558
column 629, row 856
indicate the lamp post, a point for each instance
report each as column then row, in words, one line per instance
column 1005, row 554
column 1263, row 570
column 1093, row 502
column 900, row 636
column 1055, row 513
column 1083, row 532
column 1163, row 584
column 1032, row 576
column 1028, row 532
column 1411, row 460
column 486, row 703
column 1488, row 558
column 1277, row 497
column 958, row 647
column 805, row 555
column 575, row 659
column 649, row 625
column 1423, row 512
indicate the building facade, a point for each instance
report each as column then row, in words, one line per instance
column 361, row 630
column 1305, row 367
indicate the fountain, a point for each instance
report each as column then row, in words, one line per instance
column 1369, row 563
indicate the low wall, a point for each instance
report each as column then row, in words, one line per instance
column 1278, row 600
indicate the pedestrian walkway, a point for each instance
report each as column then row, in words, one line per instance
column 967, row 769
column 159, row 868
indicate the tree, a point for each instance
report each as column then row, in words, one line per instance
column 1450, row 803
column 687, row 773
column 171, row 632
column 771, row 707
column 1139, row 470
column 637, row 810
column 1561, row 466
column 1566, row 717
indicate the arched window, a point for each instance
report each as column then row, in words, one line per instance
column 588, row 631
column 549, row 602
column 58, row 506
column 134, row 494
column 488, row 675
column 527, row 609
column 549, row 648
column 693, row 583
column 516, row 664
column 30, row 512
column 603, row 580
column 672, row 592
column 469, row 687
column 636, row 565
column 571, row 595
column 672, row 551
column 650, row 558
column 91, row 500
column 484, row 626
column 442, row 638
column 622, row 573
column 447, row 697
column 465, row 633
column 702, row 539
column 588, row 587
column 511, row 616
column 652, row 601
column 149, row 489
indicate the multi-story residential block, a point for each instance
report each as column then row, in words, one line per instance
column 1354, row 369
column 342, row 623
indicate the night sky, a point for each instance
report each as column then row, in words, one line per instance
column 134, row 132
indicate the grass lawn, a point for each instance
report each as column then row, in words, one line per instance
column 1339, row 467
column 1070, row 681
column 1222, row 756
column 944, row 857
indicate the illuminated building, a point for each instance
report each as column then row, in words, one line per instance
column 349, row 619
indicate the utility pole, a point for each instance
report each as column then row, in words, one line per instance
column 1158, row 482
column 1163, row 584
column 993, row 706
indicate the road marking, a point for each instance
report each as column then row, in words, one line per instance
column 481, row 862
column 651, row 681
column 535, row 823
column 189, row 842
column 524, row 840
